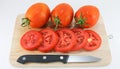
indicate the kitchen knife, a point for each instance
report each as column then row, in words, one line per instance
column 56, row 58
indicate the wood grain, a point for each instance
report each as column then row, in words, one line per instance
column 16, row 50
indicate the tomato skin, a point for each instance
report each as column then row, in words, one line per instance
column 50, row 39
column 67, row 40
column 64, row 12
column 82, row 37
column 38, row 14
column 94, row 41
column 90, row 15
column 31, row 40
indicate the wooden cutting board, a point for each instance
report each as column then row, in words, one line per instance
column 16, row 50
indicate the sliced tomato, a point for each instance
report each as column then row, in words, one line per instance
column 81, row 38
column 50, row 39
column 94, row 40
column 31, row 40
column 67, row 40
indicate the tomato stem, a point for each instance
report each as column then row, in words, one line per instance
column 25, row 22
column 81, row 21
column 57, row 21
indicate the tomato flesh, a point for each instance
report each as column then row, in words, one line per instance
column 94, row 40
column 81, row 38
column 50, row 39
column 31, row 40
column 67, row 40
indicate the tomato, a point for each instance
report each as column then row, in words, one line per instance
column 81, row 38
column 62, row 15
column 94, row 40
column 50, row 39
column 67, row 40
column 37, row 15
column 87, row 16
column 31, row 40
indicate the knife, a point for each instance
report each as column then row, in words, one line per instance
column 56, row 58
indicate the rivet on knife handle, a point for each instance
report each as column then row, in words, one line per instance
column 42, row 58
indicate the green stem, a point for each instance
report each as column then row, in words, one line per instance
column 56, row 26
column 81, row 21
column 56, row 21
column 25, row 22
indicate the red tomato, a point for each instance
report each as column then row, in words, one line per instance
column 31, row 40
column 81, row 38
column 94, row 40
column 87, row 16
column 50, row 39
column 37, row 15
column 62, row 15
column 67, row 40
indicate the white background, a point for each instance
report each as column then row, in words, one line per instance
column 9, row 9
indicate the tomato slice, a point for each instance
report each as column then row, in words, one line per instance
column 50, row 39
column 67, row 40
column 81, row 38
column 94, row 40
column 31, row 40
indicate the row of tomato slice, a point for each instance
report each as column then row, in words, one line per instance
column 61, row 40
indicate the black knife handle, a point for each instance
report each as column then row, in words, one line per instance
column 42, row 58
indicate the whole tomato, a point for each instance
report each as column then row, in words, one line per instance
column 36, row 16
column 87, row 16
column 62, row 15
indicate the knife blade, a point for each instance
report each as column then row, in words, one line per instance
column 56, row 58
